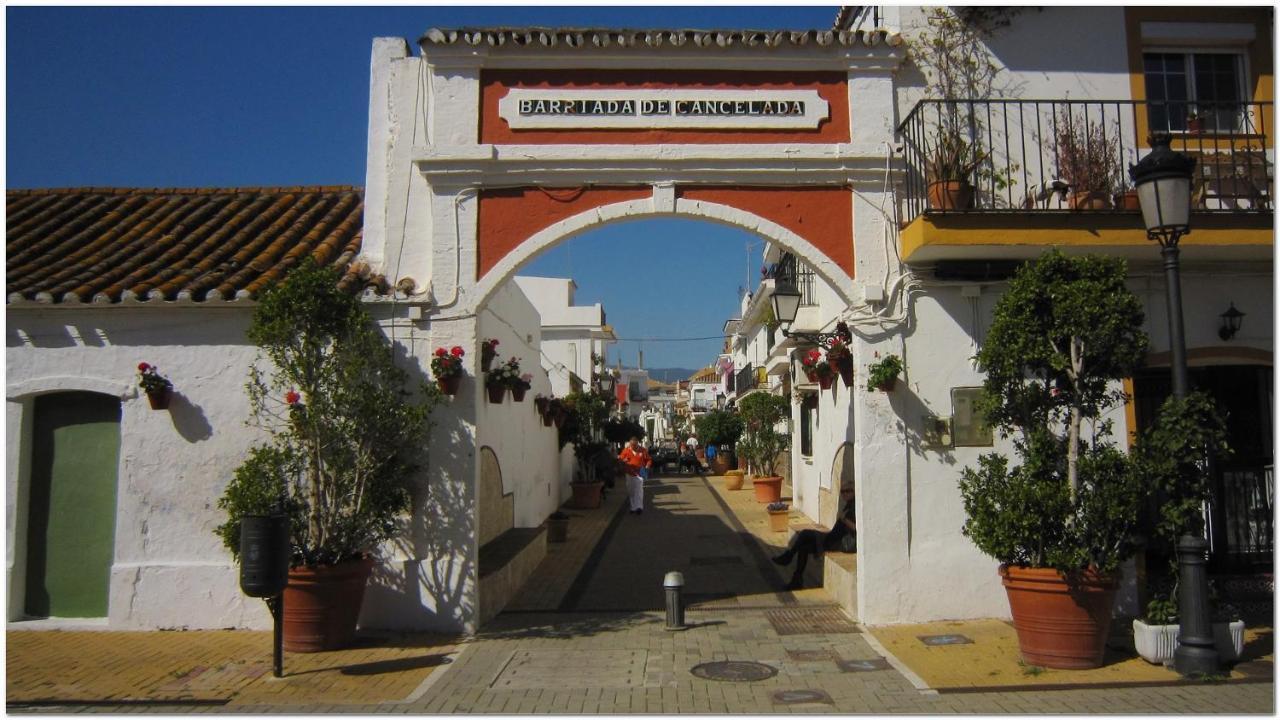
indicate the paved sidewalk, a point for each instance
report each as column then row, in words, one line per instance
column 587, row 636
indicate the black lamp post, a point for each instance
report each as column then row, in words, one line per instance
column 786, row 305
column 1163, row 182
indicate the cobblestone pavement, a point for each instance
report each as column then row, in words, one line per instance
column 598, row 644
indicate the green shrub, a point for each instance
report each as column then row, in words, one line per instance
column 719, row 427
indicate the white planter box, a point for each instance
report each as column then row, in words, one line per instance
column 1156, row 643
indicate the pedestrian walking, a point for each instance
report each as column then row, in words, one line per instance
column 842, row 537
column 636, row 460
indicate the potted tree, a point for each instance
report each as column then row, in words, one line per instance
column 1172, row 454
column 1064, row 333
column 1089, row 160
column 761, row 414
column 883, row 375
column 721, row 428
column 343, row 446
column 581, row 422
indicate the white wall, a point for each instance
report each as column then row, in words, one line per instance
column 527, row 451
column 169, row 569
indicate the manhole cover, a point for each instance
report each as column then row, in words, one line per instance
column 734, row 671
column 809, row 621
column 863, row 665
column 800, row 697
column 945, row 640
column 811, row 655
column 716, row 560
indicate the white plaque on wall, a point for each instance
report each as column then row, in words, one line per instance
column 528, row 109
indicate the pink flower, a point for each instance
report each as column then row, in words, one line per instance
column 143, row 367
column 292, row 397
column 457, row 351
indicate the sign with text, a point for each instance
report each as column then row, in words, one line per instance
column 528, row 109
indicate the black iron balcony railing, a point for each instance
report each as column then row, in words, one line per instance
column 791, row 270
column 1048, row 155
column 745, row 379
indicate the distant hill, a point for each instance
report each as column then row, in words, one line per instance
column 669, row 375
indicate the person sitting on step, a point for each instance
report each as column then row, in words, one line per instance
column 841, row 537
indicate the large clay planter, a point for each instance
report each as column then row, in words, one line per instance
column 322, row 603
column 587, row 495
column 721, row 464
column 733, row 480
column 950, row 195
column 1062, row 622
column 449, row 385
column 779, row 520
column 768, row 489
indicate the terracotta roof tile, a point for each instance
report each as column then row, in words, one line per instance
column 564, row 38
column 111, row 245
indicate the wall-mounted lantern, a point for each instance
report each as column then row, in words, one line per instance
column 1231, row 320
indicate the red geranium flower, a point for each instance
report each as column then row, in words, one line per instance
column 457, row 351
column 143, row 367
column 440, row 352
column 292, row 397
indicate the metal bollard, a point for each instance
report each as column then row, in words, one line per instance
column 673, row 583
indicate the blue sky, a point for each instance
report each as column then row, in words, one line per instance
column 160, row 97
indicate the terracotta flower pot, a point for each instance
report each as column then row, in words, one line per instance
column 1128, row 200
column 540, row 403
column 824, row 381
column 496, row 393
column 768, row 489
column 159, row 399
column 1089, row 201
column 487, row 354
column 1062, row 621
column 733, row 480
column 779, row 520
column 887, row 385
column 547, row 419
column 449, row 385
column 322, row 604
column 517, row 393
column 557, row 529
column 587, row 495
column 845, row 368
column 950, row 195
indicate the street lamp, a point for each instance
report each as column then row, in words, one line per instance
column 1163, row 182
column 786, row 305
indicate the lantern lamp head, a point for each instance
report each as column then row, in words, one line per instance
column 786, row 301
column 1231, row 320
column 1163, row 182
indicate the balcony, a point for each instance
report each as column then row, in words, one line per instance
column 745, row 379
column 1055, row 173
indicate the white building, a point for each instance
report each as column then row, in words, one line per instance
column 574, row 337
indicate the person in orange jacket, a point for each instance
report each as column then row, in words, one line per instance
column 635, row 459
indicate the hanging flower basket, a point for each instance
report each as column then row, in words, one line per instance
column 540, row 403
column 824, row 381
column 449, row 385
column 488, row 351
column 159, row 399
column 496, row 393
column 517, row 393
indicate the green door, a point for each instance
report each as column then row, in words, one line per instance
column 72, row 509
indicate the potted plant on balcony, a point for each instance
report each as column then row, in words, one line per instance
column 1063, row 335
column 949, row 168
column 343, row 448
column 446, row 366
column 817, row 369
column 1089, row 161
column 722, row 429
column 883, row 375
column 761, row 414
